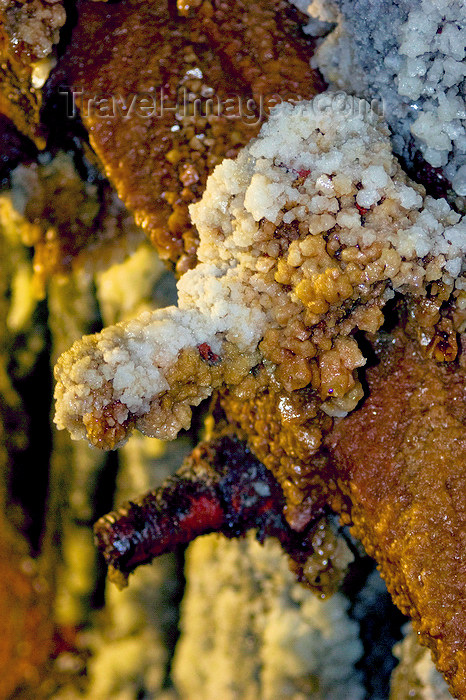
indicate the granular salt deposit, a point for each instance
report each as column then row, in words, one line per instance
column 303, row 239
column 409, row 55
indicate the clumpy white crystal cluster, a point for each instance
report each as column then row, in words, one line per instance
column 410, row 55
column 243, row 609
column 314, row 213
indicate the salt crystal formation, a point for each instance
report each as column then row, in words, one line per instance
column 243, row 609
column 303, row 239
column 409, row 55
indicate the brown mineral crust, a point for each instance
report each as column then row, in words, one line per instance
column 397, row 471
column 433, row 322
column 159, row 153
column 26, row 613
column 103, row 430
column 400, row 461
column 138, row 49
column 265, row 44
column 18, row 101
column 28, row 31
column 284, row 430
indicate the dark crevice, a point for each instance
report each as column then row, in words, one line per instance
column 103, row 501
column 16, row 148
column 380, row 624
column 67, row 29
column 29, row 477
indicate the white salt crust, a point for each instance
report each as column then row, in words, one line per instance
column 410, row 56
column 228, row 296
column 243, row 609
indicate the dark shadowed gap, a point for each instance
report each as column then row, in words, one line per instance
column 29, row 479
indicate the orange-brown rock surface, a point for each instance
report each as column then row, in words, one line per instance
column 26, row 613
column 401, row 461
column 166, row 97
